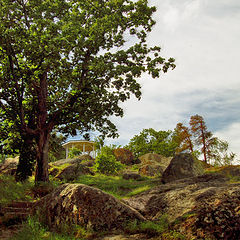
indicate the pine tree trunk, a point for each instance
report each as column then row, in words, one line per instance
column 204, row 144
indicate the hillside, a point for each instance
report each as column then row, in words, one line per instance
column 183, row 199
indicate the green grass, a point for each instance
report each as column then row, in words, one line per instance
column 117, row 186
column 148, row 227
column 225, row 171
column 10, row 190
column 32, row 229
column 58, row 169
column 154, row 229
column 173, row 235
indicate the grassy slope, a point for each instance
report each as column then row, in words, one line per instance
column 115, row 185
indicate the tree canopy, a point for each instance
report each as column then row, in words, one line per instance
column 152, row 141
column 68, row 65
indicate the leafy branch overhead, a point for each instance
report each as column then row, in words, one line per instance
column 68, row 65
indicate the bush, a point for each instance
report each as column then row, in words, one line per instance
column 106, row 162
column 74, row 152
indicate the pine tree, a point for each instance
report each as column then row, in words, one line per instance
column 203, row 136
column 184, row 138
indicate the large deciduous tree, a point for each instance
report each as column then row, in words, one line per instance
column 68, row 64
column 152, row 141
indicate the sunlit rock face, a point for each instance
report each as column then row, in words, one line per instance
column 153, row 164
column 9, row 166
column 202, row 207
column 86, row 206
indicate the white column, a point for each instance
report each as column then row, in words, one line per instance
column 83, row 148
column 67, row 152
column 94, row 154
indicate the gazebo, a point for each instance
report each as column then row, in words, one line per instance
column 82, row 145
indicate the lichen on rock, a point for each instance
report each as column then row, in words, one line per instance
column 84, row 205
column 183, row 165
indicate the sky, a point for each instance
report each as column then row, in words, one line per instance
column 203, row 36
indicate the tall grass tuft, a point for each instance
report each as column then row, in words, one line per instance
column 149, row 227
column 10, row 190
column 32, row 229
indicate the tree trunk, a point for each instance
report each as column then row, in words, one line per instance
column 42, row 138
column 204, row 144
column 27, row 159
column 190, row 144
column 42, row 158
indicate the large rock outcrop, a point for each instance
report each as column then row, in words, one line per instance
column 183, row 165
column 153, row 164
column 84, row 205
column 9, row 166
column 71, row 169
column 78, row 159
column 204, row 207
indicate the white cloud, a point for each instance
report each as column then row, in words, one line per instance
column 229, row 133
column 203, row 36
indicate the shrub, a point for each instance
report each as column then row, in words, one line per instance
column 106, row 162
column 74, row 152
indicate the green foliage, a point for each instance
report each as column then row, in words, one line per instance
column 10, row 190
column 106, row 162
column 32, row 229
column 158, row 228
column 67, row 65
column 74, row 152
column 99, row 142
column 150, row 140
column 149, row 227
column 9, row 137
column 117, row 186
column 56, row 150
column 218, row 153
column 173, row 235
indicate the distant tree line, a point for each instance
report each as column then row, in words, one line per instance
column 195, row 139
